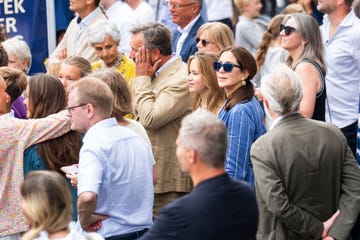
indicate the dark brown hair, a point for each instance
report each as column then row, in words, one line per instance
column 15, row 82
column 47, row 96
column 3, row 56
column 247, row 61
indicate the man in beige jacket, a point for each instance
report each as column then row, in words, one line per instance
column 162, row 100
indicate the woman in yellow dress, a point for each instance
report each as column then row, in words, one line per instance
column 105, row 38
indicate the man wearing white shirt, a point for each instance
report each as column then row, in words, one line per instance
column 341, row 36
column 75, row 42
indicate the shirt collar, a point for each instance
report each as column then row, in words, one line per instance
column 98, row 127
column 275, row 121
column 171, row 60
column 86, row 20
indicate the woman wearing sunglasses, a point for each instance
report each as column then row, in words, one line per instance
column 300, row 36
column 241, row 113
column 202, row 81
column 213, row 37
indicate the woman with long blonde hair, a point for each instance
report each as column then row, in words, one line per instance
column 202, row 82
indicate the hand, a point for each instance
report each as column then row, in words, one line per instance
column 96, row 223
column 62, row 55
column 73, row 179
column 328, row 224
column 328, row 238
column 143, row 63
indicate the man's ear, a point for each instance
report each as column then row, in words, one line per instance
column 90, row 110
column 191, row 156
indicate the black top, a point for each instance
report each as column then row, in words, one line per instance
column 319, row 109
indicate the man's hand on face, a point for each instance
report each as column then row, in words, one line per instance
column 144, row 66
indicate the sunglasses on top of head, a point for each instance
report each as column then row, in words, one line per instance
column 203, row 41
column 288, row 29
column 228, row 67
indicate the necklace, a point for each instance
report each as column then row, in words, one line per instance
column 115, row 65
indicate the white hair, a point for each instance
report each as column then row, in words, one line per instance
column 17, row 47
column 283, row 90
column 98, row 32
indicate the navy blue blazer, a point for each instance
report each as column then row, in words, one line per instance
column 189, row 47
column 217, row 208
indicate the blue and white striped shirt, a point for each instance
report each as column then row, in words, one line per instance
column 244, row 122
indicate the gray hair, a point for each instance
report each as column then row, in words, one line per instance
column 203, row 132
column 156, row 35
column 102, row 29
column 309, row 30
column 283, row 90
column 17, row 47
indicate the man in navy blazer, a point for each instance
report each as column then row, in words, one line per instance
column 218, row 207
column 186, row 14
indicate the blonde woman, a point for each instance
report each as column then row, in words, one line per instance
column 46, row 205
column 213, row 37
column 202, row 82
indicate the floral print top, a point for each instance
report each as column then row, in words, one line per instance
column 15, row 136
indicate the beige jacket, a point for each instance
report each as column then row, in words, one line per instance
column 160, row 106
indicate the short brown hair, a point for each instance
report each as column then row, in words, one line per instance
column 96, row 92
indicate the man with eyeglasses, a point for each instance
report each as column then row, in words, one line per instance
column 115, row 183
column 186, row 14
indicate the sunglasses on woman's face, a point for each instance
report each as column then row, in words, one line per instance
column 288, row 29
column 228, row 67
column 203, row 41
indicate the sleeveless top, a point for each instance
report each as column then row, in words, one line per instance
column 319, row 109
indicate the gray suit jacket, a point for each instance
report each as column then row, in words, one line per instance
column 304, row 172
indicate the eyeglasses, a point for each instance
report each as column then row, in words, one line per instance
column 178, row 5
column 228, row 67
column 73, row 107
column 288, row 29
column 203, row 41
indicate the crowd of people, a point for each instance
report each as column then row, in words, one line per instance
column 171, row 120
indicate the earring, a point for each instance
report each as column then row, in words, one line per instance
column 243, row 82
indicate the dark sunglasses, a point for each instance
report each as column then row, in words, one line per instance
column 288, row 29
column 228, row 67
column 203, row 41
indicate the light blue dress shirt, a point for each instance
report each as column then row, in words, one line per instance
column 116, row 164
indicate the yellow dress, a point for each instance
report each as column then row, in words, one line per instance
column 125, row 66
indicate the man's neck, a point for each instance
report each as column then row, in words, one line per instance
column 205, row 173
column 107, row 3
column 336, row 17
column 83, row 14
column 134, row 3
